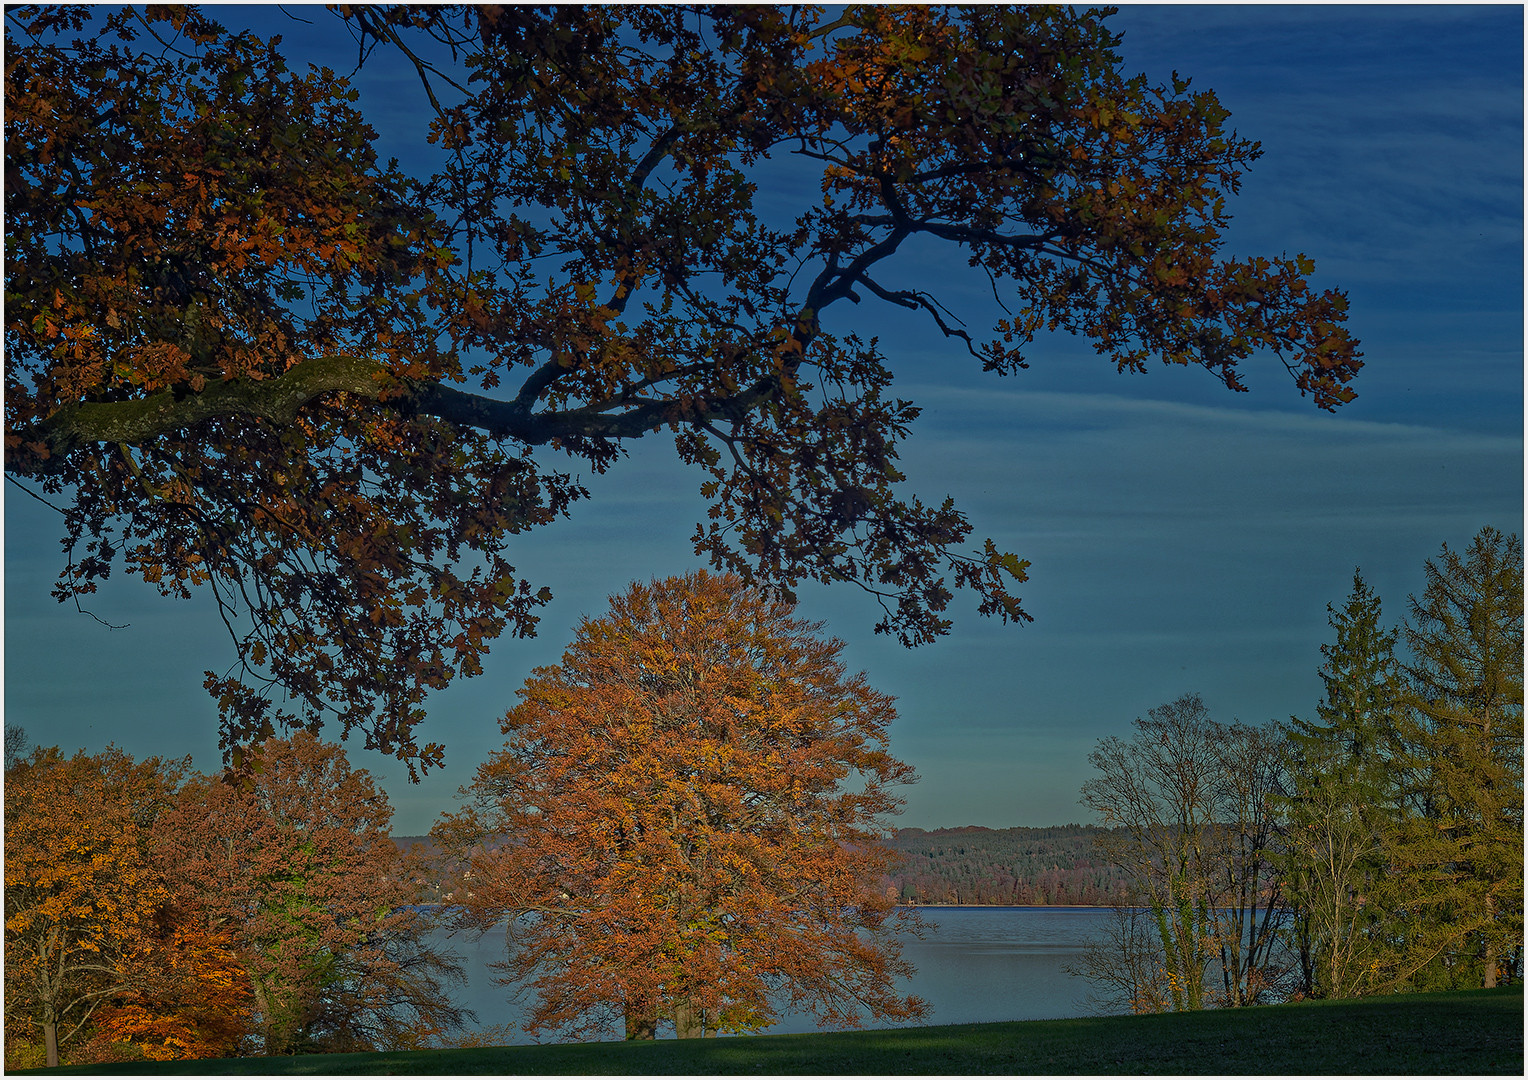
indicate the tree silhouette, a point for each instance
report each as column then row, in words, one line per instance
column 245, row 355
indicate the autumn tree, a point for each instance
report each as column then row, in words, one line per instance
column 1344, row 803
column 1188, row 804
column 684, row 827
column 80, row 893
column 192, row 999
column 243, row 354
column 291, row 859
column 1459, row 855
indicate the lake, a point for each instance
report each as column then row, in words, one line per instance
column 975, row 965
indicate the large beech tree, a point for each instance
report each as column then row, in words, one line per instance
column 683, row 828
column 243, row 354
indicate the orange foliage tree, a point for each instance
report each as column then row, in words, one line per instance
column 244, row 354
column 684, row 824
column 80, row 894
column 290, row 859
column 192, row 1001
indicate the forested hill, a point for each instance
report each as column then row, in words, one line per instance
column 1055, row 866
column 974, row 865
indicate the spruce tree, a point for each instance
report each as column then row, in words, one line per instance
column 1459, row 855
column 1342, row 802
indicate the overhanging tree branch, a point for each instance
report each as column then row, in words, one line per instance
column 279, row 400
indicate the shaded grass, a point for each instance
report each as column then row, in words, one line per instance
column 1475, row 1031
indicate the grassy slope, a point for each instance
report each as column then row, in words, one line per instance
column 1478, row 1031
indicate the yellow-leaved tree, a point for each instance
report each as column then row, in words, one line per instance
column 80, row 894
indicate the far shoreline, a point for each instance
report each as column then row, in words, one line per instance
column 1014, row 907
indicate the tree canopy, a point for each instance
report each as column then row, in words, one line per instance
column 1187, row 805
column 295, row 863
column 245, row 354
column 80, row 896
column 685, row 825
column 1342, row 804
column 1459, row 854
column 153, row 915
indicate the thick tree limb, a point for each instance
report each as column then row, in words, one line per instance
column 279, row 400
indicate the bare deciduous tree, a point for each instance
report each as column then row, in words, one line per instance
column 1190, row 803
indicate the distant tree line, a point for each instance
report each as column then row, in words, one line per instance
column 1056, row 866
column 1377, row 848
column 1020, row 866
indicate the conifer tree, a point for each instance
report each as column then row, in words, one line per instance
column 1459, row 853
column 1342, row 799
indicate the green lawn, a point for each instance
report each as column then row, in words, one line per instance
column 1477, row 1031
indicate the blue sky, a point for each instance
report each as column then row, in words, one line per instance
column 1182, row 538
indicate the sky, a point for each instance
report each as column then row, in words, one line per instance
column 1182, row 538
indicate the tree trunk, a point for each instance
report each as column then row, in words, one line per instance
column 689, row 1023
column 1170, row 954
column 641, row 1023
column 271, row 1038
column 50, row 1040
column 1490, row 943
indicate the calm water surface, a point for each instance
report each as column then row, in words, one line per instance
column 975, row 965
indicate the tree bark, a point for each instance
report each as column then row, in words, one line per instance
column 641, row 1023
column 269, row 1038
column 1490, row 980
column 689, row 1023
